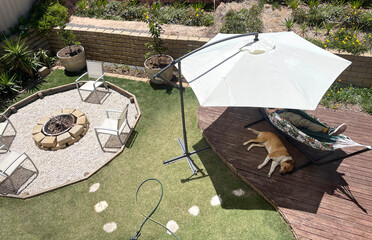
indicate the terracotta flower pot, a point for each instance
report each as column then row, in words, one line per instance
column 75, row 63
column 151, row 71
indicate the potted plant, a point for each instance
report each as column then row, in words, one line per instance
column 155, row 58
column 72, row 56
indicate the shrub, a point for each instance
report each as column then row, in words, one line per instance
column 340, row 93
column 17, row 58
column 8, row 84
column 293, row 4
column 243, row 21
column 48, row 14
column 350, row 41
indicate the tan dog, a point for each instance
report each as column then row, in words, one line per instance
column 276, row 151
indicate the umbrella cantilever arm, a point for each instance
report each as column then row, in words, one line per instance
column 174, row 62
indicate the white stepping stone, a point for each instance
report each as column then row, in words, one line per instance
column 216, row 200
column 194, row 210
column 173, row 226
column 238, row 192
column 94, row 187
column 99, row 207
column 110, row 227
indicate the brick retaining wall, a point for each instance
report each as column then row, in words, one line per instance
column 123, row 47
column 359, row 73
column 128, row 48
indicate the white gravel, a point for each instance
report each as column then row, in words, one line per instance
column 67, row 165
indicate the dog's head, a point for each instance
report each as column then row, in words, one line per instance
column 286, row 166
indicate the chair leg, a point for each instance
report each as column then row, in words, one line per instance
column 37, row 170
column 80, row 95
column 120, row 139
column 11, row 124
column 100, row 144
column 95, row 92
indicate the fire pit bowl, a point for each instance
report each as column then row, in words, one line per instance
column 61, row 129
column 59, row 124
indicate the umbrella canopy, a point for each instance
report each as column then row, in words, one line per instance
column 280, row 70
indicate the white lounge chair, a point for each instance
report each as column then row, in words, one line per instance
column 95, row 79
column 4, row 123
column 10, row 161
column 113, row 126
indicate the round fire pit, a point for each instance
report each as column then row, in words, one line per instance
column 59, row 124
column 61, row 129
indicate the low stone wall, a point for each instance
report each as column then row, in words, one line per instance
column 128, row 48
column 123, row 47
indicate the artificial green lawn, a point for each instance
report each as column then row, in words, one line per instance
column 68, row 213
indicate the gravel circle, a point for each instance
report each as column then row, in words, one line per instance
column 66, row 165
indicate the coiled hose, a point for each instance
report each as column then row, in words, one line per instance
column 138, row 233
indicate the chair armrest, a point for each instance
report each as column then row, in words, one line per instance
column 77, row 80
column 99, row 78
column 94, row 84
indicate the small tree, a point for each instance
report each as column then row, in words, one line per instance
column 68, row 38
column 157, row 45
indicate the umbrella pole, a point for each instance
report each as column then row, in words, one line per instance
column 183, row 144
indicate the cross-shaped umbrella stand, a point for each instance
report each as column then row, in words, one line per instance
column 183, row 144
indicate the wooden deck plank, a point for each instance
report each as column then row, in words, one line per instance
column 320, row 202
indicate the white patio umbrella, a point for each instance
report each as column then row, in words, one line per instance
column 279, row 70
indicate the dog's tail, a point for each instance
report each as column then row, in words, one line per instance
column 254, row 131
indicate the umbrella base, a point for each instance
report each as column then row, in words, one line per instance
column 186, row 155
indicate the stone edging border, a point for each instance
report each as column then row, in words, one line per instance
column 13, row 109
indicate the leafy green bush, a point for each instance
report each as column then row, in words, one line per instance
column 243, row 21
column 350, row 41
column 48, row 14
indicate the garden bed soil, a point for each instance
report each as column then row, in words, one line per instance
column 158, row 62
column 70, row 51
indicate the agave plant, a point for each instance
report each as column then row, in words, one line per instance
column 8, row 84
column 44, row 57
column 289, row 23
column 17, row 57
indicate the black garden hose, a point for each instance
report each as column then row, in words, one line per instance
column 138, row 233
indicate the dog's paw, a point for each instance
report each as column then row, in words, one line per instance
column 269, row 175
column 260, row 166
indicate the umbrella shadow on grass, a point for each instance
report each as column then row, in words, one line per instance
column 302, row 190
column 225, row 182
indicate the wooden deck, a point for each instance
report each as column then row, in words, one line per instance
column 332, row 201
